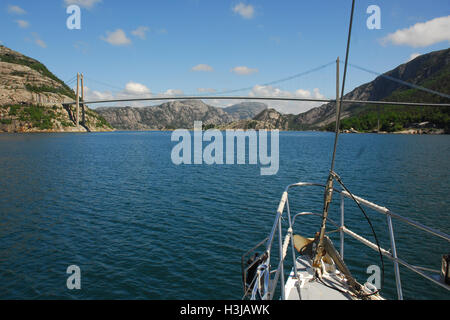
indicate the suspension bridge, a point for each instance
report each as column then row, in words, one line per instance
column 80, row 101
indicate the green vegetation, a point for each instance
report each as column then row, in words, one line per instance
column 33, row 64
column 205, row 126
column 396, row 118
column 39, row 117
column 61, row 90
column 294, row 125
column 66, row 124
column 19, row 73
column 101, row 122
column 39, row 67
column 13, row 110
column 252, row 124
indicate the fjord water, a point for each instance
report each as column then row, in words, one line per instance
column 140, row 227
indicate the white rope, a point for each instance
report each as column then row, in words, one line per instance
column 286, row 242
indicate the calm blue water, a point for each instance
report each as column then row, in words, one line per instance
column 140, row 227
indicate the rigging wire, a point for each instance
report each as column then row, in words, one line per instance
column 338, row 179
column 338, row 117
column 334, row 288
column 332, row 174
column 320, row 250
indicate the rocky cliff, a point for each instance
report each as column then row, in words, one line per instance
column 267, row 119
column 31, row 98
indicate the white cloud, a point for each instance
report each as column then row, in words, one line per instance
column 173, row 92
column 286, row 107
column 40, row 43
column 202, row 67
column 243, row 70
column 421, row 34
column 245, row 11
column 275, row 39
column 116, row 38
column 82, row 46
column 136, row 89
column 96, row 95
column 141, row 32
column 270, row 91
column 88, row 4
column 23, row 24
column 294, row 107
column 16, row 10
column 206, row 90
column 413, row 56
column 38, row 40
column 131, row 90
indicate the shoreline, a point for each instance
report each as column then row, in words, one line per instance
column 403, row 132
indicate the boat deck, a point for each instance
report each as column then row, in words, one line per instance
column 315, row 290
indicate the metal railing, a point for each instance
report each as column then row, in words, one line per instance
column 265, row 286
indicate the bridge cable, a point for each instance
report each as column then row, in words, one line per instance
column 408, row 84
column 104, row 84
column 279, row 80
column 68, row 82
column 298, row 75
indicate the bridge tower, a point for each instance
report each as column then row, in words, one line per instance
column 83, row 110
column 80, row 78
column 78, row 101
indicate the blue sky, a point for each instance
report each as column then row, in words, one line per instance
column 142, row 47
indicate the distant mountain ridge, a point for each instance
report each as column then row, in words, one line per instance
column 177, row 114
column 245, row 110
column 169, row 115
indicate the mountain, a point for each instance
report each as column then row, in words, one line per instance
column 430, row 70
column 267, row 119
column 177, row 114
column 169, row 115
column 31, row 98
column 245, row 110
